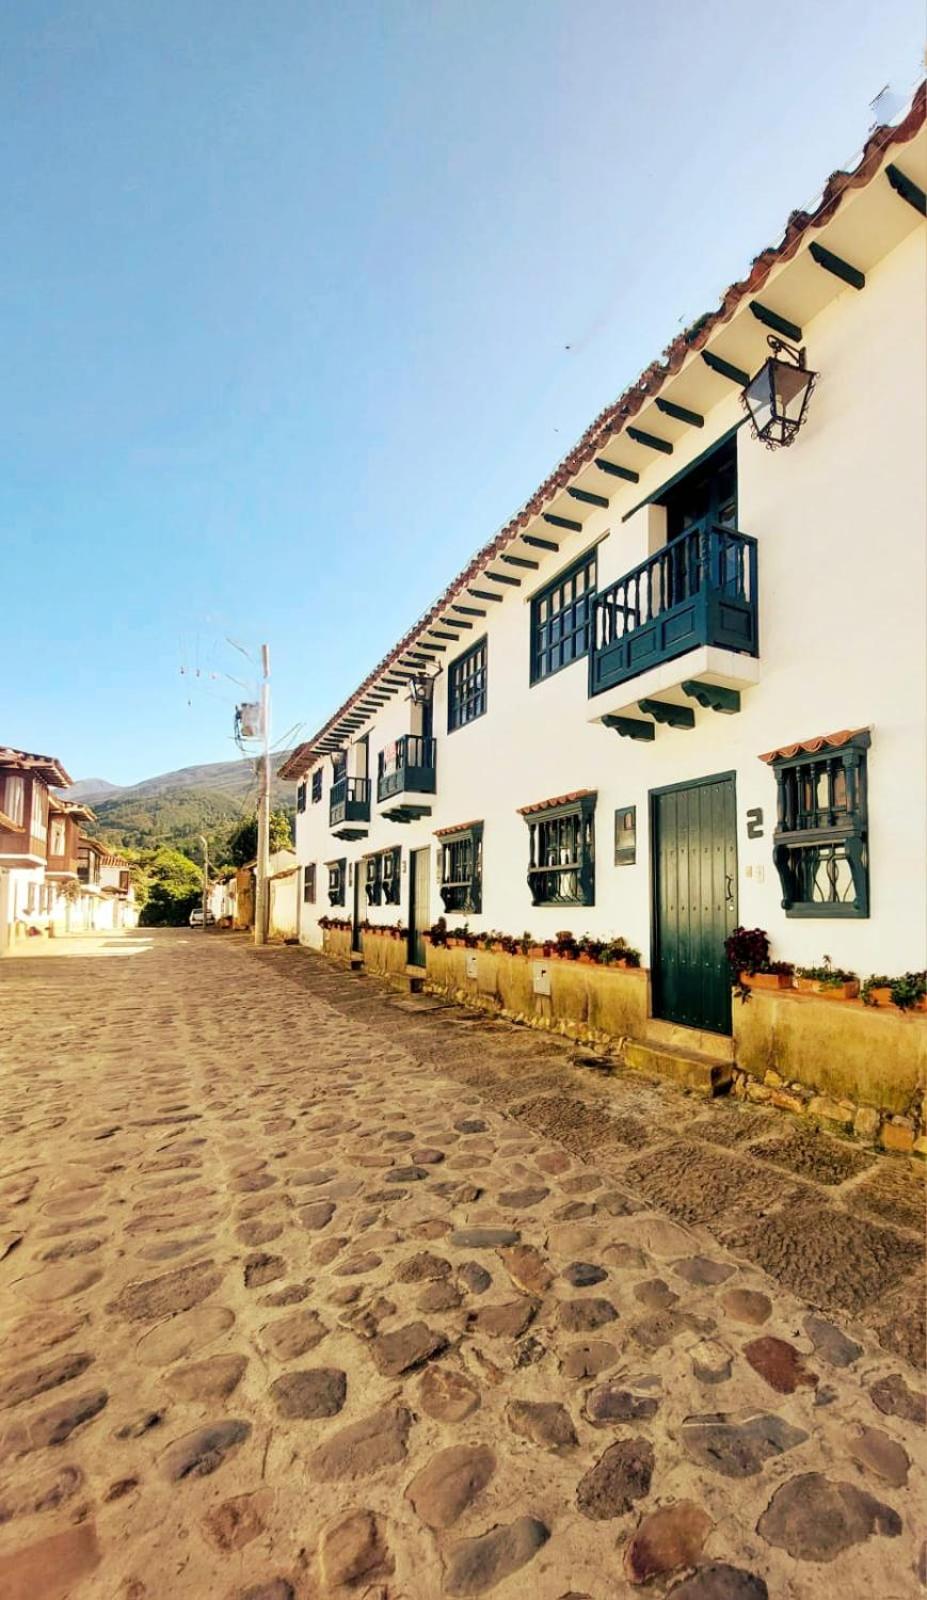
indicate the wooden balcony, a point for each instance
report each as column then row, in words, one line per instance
column 408, row 766
column 349, row 808
column 700, row 590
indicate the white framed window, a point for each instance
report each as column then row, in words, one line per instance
column 14, row 798
column 56, row 842
column 38, row 809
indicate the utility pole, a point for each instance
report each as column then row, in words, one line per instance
column 205, row 843
column 262, row 895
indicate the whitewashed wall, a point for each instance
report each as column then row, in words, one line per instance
column 840, row 521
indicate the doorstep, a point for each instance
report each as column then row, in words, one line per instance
column 696, row 1041
column 696, row 1060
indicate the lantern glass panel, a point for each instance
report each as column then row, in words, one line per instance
column 790, row 386
column 759, row 395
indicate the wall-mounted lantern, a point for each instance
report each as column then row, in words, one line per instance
column 777, row 398
column 422, row 688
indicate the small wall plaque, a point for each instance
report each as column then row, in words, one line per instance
column 755, row 823
column 626, row 836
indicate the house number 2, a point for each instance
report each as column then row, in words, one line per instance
column 755, row 823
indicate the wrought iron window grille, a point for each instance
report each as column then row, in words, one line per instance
column 461, row 867
column 561, row 863
column 821, row 838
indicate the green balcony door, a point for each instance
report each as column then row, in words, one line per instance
column 694, row 845
column 419, row 884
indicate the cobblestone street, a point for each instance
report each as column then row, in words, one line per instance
column 312, row 1289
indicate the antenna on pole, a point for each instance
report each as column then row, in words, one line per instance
column 262, row 885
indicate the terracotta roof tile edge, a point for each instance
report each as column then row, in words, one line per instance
column 558, row 800
column 829, row 741
column 651, row 380
column 459, row 827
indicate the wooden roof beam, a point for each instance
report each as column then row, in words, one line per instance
column 681, row 413
column 614, row 471
column 836, row 265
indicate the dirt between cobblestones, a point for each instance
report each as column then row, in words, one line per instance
column 309, row 1291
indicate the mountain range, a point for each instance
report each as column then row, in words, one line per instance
column 236, row 779
column 175, row 808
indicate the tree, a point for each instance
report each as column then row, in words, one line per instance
column 175, row 886
column 243, row 840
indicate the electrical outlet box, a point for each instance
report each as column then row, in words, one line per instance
column 471, row 963
column 541, row 977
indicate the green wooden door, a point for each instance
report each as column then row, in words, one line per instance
column 694, row 848
column 419, row 883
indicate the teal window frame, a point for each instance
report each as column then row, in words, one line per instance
column 560, row 619
column 561, row 853
column 822, row 829
column 309, row 884
column 382, row 880
column 468, row 686
column 461, row 869
column 337, row 881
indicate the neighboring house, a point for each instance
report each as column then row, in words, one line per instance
column 223, row 899
column 683, row 688
column 119, row 910
column 284, row 883
column 91, row 913
column 63, row 859
column 25, row 784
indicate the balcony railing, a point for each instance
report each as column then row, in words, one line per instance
column 699, row 590
column 407, row 765
column 349, row 801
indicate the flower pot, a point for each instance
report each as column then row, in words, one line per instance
column 767, row 980
column 536, row 952
column 828, row 991
column 586, row 959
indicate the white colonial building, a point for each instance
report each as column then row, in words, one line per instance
column 684, row 689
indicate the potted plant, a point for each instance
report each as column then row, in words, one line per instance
column 909, row 991
column 750, row 966
column 618, row 953
column 831, row 982
column 877, row 990
column 565, row 946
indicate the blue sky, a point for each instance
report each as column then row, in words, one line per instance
column 286, row 294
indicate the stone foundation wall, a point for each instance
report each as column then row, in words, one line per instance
column 384, row 955
column 598, row 1005
column 856, row 1067
column 336, row 942
column 850, row 1067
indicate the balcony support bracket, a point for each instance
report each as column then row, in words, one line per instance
column 406, row 813
column 664, row 711
column 631, row 728
column 712, row 697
